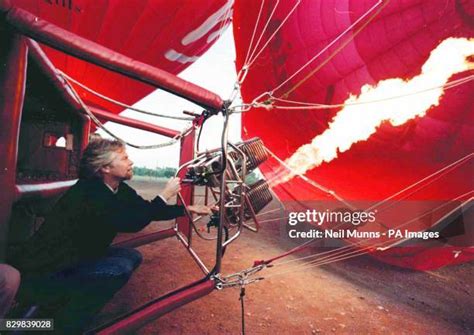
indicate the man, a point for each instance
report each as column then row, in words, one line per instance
column 71, row 253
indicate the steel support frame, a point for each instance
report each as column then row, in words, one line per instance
column 156, row 308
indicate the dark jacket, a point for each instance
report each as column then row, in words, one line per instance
column 83, row 224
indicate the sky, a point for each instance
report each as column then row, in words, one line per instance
column 215, row 71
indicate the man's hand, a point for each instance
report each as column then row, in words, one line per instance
column 173, row 186
column 200, row 209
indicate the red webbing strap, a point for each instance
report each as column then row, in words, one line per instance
column 70, row 43
column 154, row 309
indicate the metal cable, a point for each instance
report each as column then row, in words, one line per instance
column 101, row 125
column 121, row 104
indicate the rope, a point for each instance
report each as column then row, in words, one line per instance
column 101, row 125
column 359, row 252
column 448, row 85
column 273, row 220
column 441, row 172
column 118, row 103
column 251, row 57
column 310, row 181
column 449, row 167
column 274, row 33
column 263, row 31
column 339, row 254
column 353, row 245
column 342, row 46
column 291, row 251
column 247, row 56
column 250, row 62
column 310, row 106
column 268, row 212
column 329, row 45
column 305, row 106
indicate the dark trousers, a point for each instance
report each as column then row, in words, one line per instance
column 74, row 295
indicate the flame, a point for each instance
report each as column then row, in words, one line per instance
column 363, row 114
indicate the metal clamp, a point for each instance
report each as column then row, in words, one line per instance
column 240, row 279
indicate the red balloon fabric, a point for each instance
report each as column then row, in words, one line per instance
column 170, row 35
column 393, row 40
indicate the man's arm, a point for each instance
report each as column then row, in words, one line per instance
column 133, row 213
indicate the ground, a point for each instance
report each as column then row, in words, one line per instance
column 356, row 296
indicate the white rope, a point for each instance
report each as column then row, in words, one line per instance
column 274, row 33
column 310, row 181
column 247, row 56
column 308, row 106
column 358, row 252
column 101, row 125
column 355, row 244
column 251, row 57
column 121, row 104
column 336, row 255
column 262, row 33
column 329, row 45
column 273, row 220
column 437, row 174
column 439, row 171
column 269, row 211
column 415, row 190
column 245, row 67
column 305, row 105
